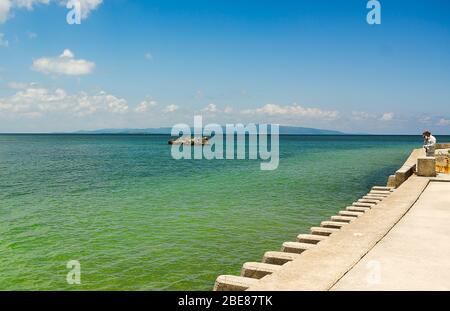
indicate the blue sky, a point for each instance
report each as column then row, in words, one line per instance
column 157, row 63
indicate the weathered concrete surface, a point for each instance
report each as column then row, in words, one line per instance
column 258, row 270
column 310, row 238
column 443, row 161
column 350, row 214
column 426, row 166
column 443, row 146
column 391, row 181
column 296, row 247
column 323, row 231
column 402, row 174
column 278, row 258
column 233, row 283
column 415, row 254
column 320, row 267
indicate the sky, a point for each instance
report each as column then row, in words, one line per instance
column 142, row 64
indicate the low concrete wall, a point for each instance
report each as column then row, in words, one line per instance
column 443, row 146
column 408, row 168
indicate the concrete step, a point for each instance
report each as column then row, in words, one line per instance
column 258, row 270
column 279, row 258
column 380, row 193
column 378, row 190
column 310, row 238
column 296, row 247
column 374, row 197
column 363, row 204
column 381, row 196
column 370, row 201
column 332, row 224
column 342, row 219
column 233, row 283
column 323, row 231
column 350, row 214
column 357, row 209
column 381, row 188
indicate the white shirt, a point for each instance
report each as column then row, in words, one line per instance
column 430, row 141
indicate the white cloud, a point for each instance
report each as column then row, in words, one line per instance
column 387, row 116
column 87, row 6
column 145, row 105
column 425, row 119
column 35, row 101
column 171, row 108
column 17, row 85
column 28, row 4
column 65, row 64
column 211, row 108
column 360, row 115
column 7, row 6
column 3, row 41
column 35, row 108
column 294, row 110
column 443, row 122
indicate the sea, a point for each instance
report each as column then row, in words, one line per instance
column 131, row 217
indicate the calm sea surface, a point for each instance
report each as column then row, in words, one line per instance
column 138, row 220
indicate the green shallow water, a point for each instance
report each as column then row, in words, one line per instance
column 138, row 220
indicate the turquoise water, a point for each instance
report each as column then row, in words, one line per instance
column 138, row 220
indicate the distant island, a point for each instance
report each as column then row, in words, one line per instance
column 284, row 130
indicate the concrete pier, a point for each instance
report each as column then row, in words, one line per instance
column 390, row 239
column 415, row 253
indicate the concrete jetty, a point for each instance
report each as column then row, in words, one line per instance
column 397, row 237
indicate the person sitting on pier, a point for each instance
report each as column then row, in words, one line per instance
column 429, row 143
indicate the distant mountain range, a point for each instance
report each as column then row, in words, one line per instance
column 284, row 130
